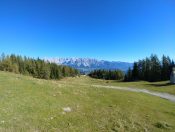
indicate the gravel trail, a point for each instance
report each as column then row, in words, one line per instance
column 167, row 96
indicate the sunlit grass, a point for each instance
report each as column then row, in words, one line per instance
column 163, row 86
column 28, row 104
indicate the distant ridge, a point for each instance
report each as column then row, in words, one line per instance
column 85, row 65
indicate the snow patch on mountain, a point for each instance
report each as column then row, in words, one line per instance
column 87, row 64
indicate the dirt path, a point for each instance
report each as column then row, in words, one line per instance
column 159, row 94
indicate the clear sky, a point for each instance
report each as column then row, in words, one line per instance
column 119, row 30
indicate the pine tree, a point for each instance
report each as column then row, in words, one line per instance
column 107, row 74
column 155, row 69
column 166, row 68
column 128, row 76
column 135, row 72
column 35, row 67
column 151, row 69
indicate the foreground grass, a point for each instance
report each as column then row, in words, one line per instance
column 28, row 104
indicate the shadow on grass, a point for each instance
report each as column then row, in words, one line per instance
column 160, row 85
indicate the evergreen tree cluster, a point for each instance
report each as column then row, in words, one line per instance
column 107, row 74
column 151, row 69
column 37, row 68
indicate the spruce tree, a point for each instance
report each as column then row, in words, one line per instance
column 166, row 68
column 135, row 72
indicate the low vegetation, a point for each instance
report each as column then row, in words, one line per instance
column 73, row 104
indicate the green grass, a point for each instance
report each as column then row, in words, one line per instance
column 28, row 104
column 163, row 86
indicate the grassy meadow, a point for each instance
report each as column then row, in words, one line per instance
column 163, row 86
column 35, row 105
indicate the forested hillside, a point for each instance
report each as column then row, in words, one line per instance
column 35, row 67
column 107, row 74
column 151, row 69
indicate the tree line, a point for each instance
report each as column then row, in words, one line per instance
column 151, row 69
column 37, row 68
column 107, row 74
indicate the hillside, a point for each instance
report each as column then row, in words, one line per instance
column 73, row 104
column 86, row 65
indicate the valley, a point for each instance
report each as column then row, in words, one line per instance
column 86, row 65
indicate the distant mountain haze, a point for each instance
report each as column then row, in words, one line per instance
column 86, row 65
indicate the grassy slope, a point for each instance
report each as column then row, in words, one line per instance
column 163, row 86
column 28, row 104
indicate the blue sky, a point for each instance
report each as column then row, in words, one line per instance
column 119, row 30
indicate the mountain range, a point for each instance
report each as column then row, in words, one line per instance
column 86, row 65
